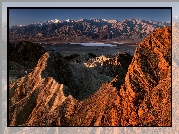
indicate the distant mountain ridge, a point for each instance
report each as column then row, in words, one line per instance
column 70, row 30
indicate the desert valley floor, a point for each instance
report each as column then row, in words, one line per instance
column 69, row 49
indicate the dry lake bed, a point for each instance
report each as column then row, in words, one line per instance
column 95, row 48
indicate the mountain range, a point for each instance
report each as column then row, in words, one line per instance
column 78, row 30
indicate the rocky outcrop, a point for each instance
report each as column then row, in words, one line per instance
column 48, row 96
column 114, row 67
column 147, row 90
column 88, row 80
column 29, row 96
column 144, row 99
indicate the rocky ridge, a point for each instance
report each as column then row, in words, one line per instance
column 142, row 98
column 145, row 97
column 147, row 88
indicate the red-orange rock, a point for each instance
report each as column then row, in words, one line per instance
column 143, row 100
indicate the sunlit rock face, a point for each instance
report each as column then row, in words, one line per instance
column 118, row 91
column 145, row 97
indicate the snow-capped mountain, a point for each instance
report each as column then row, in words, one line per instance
column 90, row 28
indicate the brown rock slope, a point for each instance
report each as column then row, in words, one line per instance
column 38, row 92
column 147, row 90
column 22, row 95
column 143, row 100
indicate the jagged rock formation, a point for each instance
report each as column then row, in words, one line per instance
column 52, row 73
column 46, row 96
column 32, row 92
column 144, row 99
column 88, row 80
column 46, row 79
column 147, row 90
column 114, row 67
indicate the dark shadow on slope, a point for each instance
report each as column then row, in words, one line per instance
column 81, row 81
column 25, row 55
column 118, row 71
column 24, row 52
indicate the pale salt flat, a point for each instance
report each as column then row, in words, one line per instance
column 95, row 44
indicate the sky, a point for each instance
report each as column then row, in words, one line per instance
column 28, row 16
column 174, row 5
